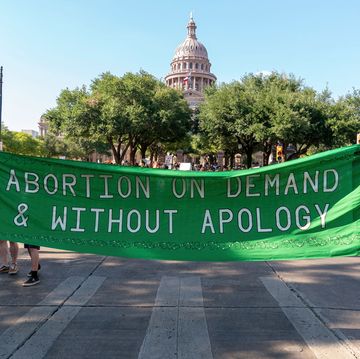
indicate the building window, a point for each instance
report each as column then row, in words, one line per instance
column 184, row 65
column 202, row 66
column 196, row 66
column 191, row 65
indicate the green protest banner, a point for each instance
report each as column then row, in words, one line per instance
column 307, row 208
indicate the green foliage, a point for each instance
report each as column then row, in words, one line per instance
column 259, row 111
column 22, row 143
column 129, row 112
column 71, row 147
column 138, row 112
column 344, row 120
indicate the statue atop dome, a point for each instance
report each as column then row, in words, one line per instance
column 190, row 67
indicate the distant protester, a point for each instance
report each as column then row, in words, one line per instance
column 35, row 265
column 7, row 266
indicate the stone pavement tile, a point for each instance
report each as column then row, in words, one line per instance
column 345, row 321
column 124, row 291
column 103, row 333
column 244, row 292
column 10, row 314
column 329, row 282
column 253, row 333
column 130, row 268
column 135, row 282
column 56, row 264
column 322, row 341
column 13, row 293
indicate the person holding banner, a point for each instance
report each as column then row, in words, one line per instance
column 35, row 265
column 12, row 267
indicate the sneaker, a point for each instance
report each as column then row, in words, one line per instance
column 30, row 274
column 4, row 269
column 13, row 268
column 31, row 281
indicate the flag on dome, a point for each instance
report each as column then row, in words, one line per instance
column 187, row 78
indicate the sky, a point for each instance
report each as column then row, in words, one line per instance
column 46, row 46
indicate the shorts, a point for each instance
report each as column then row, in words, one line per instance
column 31, row 246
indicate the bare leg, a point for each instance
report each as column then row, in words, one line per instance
column 34, row 255
column 14, row 251
column 33, row 278
column 4, row 254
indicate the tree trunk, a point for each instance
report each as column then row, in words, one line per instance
column 124, row 152
column 143, row 149
column 249, row 152
column 302, row 150
column 232, row 160
column 151, row 157
column 115, row 151
column 132, row 155
column 266, row 153
column 211, row 158
column 226, row 157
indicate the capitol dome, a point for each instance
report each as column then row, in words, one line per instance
column 190, row 67
column 190, row 47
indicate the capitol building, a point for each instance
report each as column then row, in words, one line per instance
column 189, row 71
column 190, row 68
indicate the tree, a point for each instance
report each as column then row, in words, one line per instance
column 259, row 111
column 300, row 120
column 71, row 131
column 158, row 113
column 72, row 147
column 271, row 90
column 343, row 120
column 129, row 112
column 230, row 117
column 22, row 143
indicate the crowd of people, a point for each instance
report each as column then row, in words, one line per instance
column 9, row 261
column 206, row 166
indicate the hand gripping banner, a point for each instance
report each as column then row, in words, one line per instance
column 307, row 208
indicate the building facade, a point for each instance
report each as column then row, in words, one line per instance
column 43, row 126
column 32, row 133
column 190, row 68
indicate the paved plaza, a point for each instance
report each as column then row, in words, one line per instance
column 89, row 306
